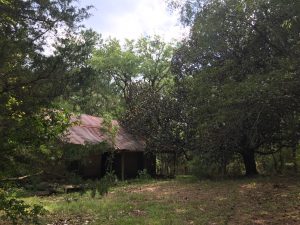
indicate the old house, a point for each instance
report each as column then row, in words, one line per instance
column 126, row 151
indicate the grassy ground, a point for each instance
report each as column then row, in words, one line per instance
column 181, row 201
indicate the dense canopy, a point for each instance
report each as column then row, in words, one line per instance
column 223, row 101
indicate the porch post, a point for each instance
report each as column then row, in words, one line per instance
column 122, row 165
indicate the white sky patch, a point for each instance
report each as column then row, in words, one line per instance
column 134, row 18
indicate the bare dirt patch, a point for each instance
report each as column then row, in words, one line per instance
column 69, row 220
column 255, row 201
column 267, row 203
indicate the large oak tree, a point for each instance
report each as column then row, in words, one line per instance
column 241, row 66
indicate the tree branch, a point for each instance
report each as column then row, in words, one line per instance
column 23, row 177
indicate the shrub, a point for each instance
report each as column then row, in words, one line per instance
column 202, row 168
column 235, row 167
column 102, row 186
column 143, row 175
column 17, row 211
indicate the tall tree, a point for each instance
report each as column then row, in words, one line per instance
column 30, row 79
column 242, row 64
column 139, row 73
column 119, row 67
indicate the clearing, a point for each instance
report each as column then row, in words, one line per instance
column 181, row 201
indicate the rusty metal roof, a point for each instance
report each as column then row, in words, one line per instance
column 89, row 130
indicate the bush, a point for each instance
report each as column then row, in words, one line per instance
column 203, row 169
column 103, row 185
column 143, row 175
column 235, row 168
column 17, row 211
column 268, row 165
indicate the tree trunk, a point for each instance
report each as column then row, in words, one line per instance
column 249, row 162
column 275, row 163
column 295, row 158
column 223, row 165
column 281, row 160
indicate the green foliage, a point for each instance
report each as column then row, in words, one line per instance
column 73, row 152
column 110, row 177
column 31, row 80
column 103, row 185
column 143, row 175
column 114, row 68
column 89, row 94
column 106, row 183
column 33, row 75
column 138, row 73
column 121, row 66
column 156, row 116
column 110, row 128
column 153, row 203
column 240, row 70
column 17, row 211
column 235, row 167
column 202, row 168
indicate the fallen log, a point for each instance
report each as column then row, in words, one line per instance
column 73, row 188
column 22, row 177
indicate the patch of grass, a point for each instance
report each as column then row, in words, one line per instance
column 183, row 200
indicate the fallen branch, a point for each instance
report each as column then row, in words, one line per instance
column 22, row 178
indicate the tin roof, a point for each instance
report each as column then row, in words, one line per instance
column 89, row 130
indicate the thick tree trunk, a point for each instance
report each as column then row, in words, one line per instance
column 249, row 161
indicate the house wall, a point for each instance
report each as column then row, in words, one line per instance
column 95, row 165
column 91, row 166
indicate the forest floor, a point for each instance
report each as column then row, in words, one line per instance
column 181, row 201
